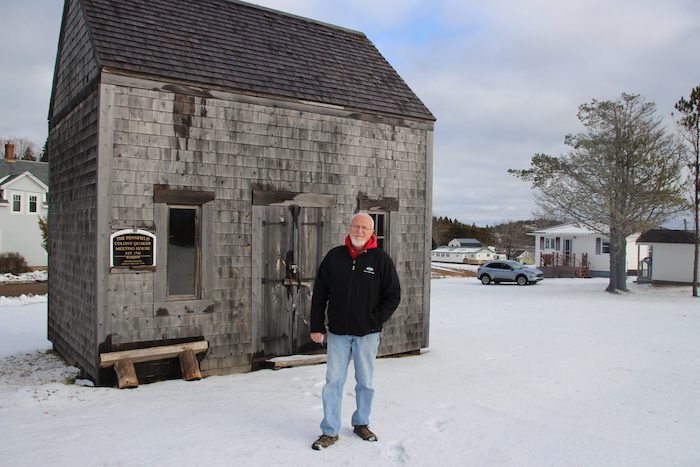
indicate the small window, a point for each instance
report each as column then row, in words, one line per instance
column 602, row 246
column 183, row 252
column 32, row 203
column 380, row 229
column 16, row 203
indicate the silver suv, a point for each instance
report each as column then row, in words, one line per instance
column 508, row 271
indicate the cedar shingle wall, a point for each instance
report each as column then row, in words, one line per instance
column 72, row 196
column 72, row 241
column 76, row 67
column 228, row 147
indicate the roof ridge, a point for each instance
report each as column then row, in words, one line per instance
column 302, row 18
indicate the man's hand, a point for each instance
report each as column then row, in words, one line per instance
column 317, row 337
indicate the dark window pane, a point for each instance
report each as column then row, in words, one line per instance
column 182, row 252
column 379, row 227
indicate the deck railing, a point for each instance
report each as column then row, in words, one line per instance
column 579, row 264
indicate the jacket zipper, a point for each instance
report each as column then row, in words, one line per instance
column 347, row 302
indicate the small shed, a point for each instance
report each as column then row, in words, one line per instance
column 204, row 157
column 668, row 258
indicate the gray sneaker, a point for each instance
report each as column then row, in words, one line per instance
column 364, row 432
column 323, row 442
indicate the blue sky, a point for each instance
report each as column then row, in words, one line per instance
column 503, row 77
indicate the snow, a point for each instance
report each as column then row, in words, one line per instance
column 26, row 277
column 555, row 374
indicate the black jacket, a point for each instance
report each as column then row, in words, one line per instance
column 360, row 294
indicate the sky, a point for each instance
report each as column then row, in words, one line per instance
column 570, row 376
column 504, row 78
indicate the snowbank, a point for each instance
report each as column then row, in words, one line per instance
column 26, row 277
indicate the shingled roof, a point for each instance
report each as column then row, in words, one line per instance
column 666, row 236
column 17, row 167
column 249, row 49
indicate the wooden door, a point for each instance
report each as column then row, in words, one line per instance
column 291, row 239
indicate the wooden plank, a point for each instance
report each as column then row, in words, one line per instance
column 151, row 353
column 163, row 194
column 288, row 198
column 295, row 360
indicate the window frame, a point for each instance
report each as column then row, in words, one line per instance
column 33, row 199
column 16, row 202
column 383, row 239
column 164, row 198
column 197, row 259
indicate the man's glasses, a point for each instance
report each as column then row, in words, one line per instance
column 361, row 227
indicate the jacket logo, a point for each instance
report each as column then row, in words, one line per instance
column 369, row 270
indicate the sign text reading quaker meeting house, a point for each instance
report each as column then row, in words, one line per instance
column 133, row 248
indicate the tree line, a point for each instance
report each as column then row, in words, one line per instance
column 506, row 237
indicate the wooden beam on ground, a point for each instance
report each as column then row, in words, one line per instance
column 126, row 373
column 189, row 366
column 151, row 353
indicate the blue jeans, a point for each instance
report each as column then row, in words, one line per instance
column 363, row 350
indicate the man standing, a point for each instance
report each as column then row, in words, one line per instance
column 356, row 289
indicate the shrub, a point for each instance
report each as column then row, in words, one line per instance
column 14, row 263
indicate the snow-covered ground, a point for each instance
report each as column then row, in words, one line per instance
column 26, row 277
column 557, row 374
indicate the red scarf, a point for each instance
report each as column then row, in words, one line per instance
column 371, row 243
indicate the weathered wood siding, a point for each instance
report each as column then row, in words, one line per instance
column 231, row 145
column 72, row 196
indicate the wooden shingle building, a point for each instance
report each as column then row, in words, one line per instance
column 204, row 157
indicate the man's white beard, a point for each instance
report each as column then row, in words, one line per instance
column 358, row 243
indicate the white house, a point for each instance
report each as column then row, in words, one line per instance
column 580, row 247
column 669, row 256
column 23, row 198
column 466, row 255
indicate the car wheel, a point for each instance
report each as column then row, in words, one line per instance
column 485, row 279
column 522, row 280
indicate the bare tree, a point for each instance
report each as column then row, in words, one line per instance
column 510, row 236
column 621, row 175
column 689, row 125
column 21, row 145
column 439, row 232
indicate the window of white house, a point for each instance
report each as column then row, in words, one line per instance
column 16, row 203
column 32, row 203
column 183, row 251
column 549, row 243
column 602, row 246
